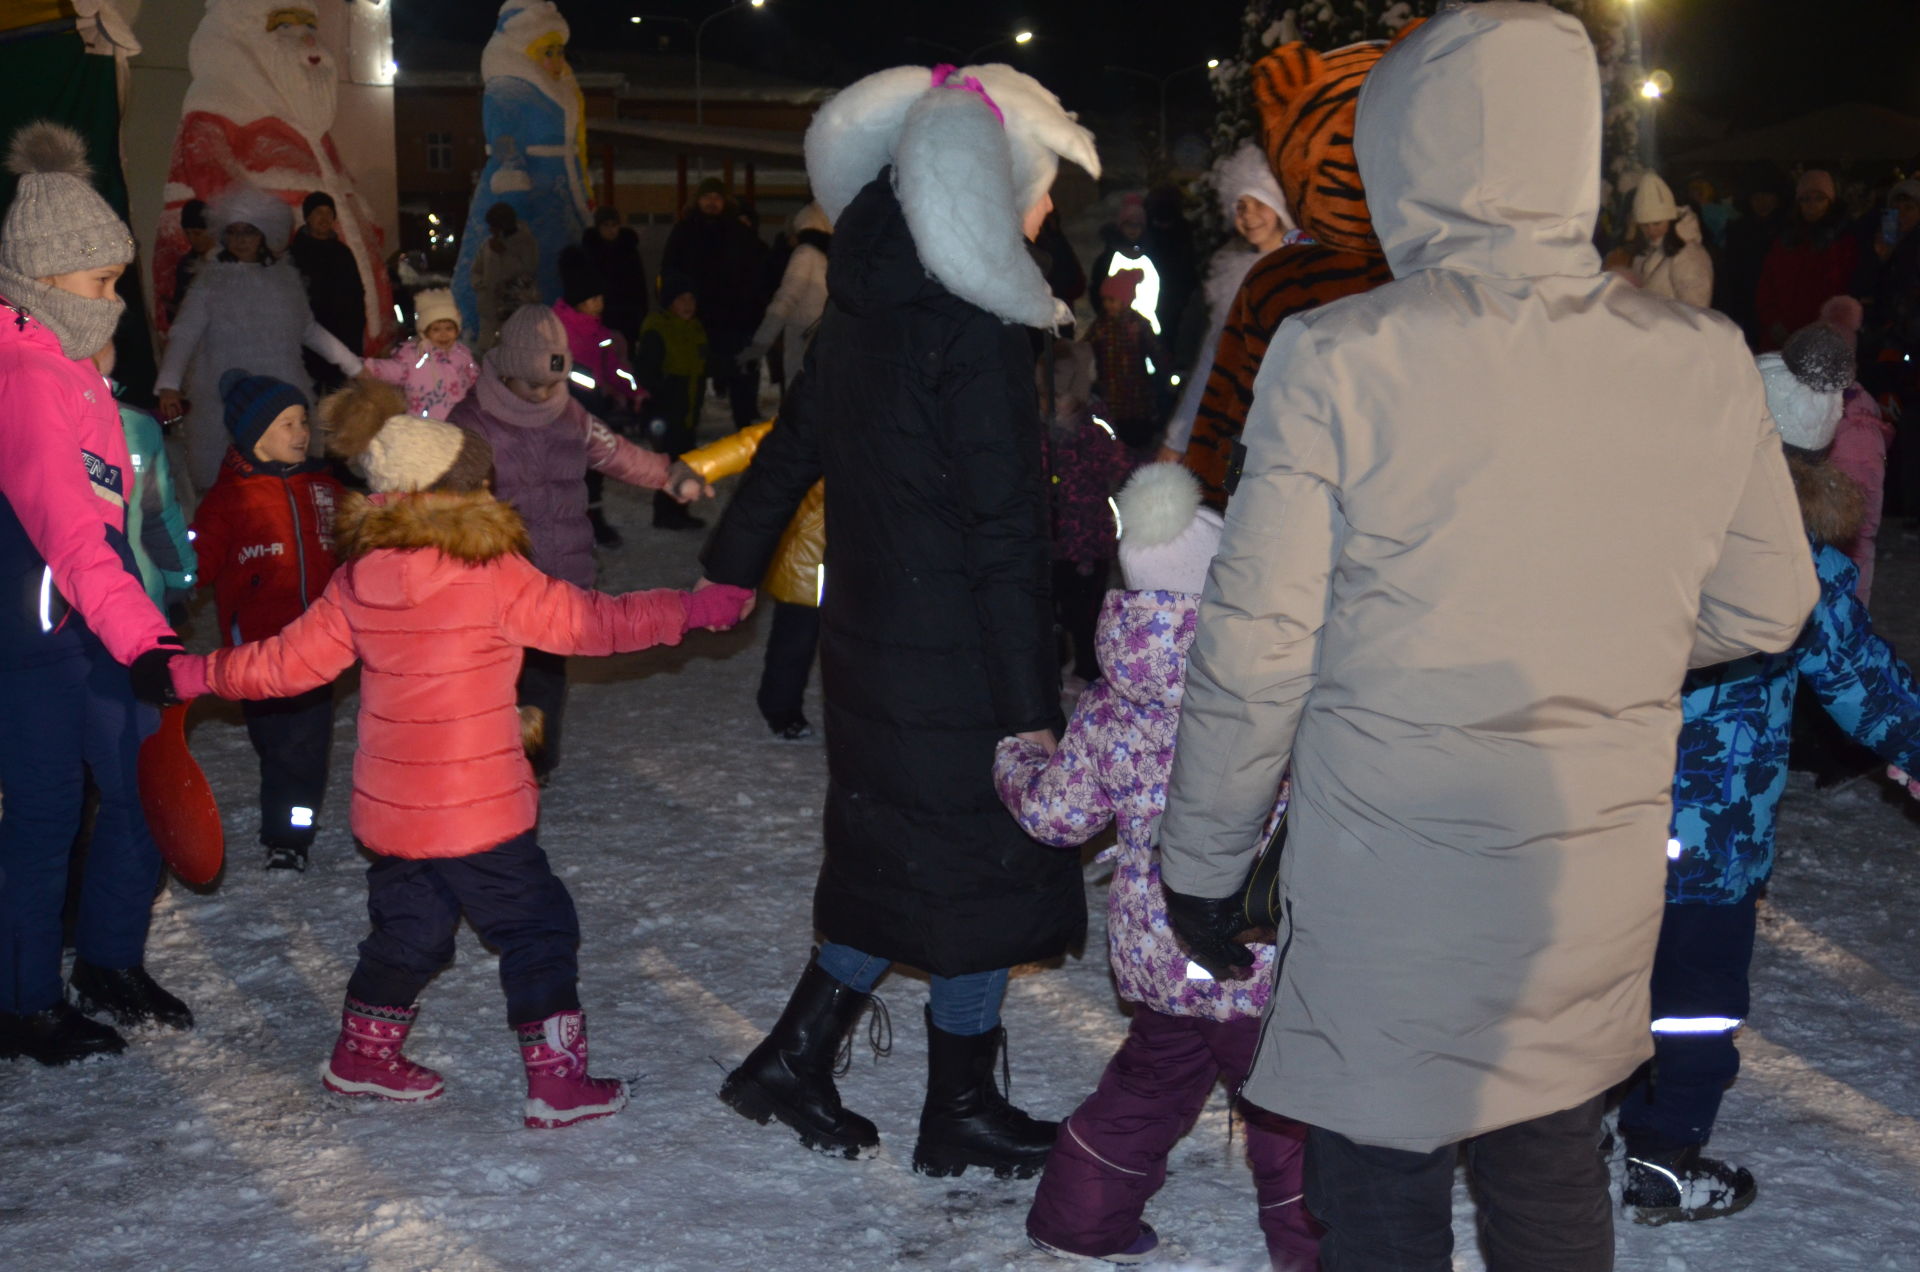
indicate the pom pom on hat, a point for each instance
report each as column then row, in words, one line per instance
column 58, row 223
column 436, row 304
column 1845, row 315
column 412, row 454
column 1167, row 540
column 1806, row 385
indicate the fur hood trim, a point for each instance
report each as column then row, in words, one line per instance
column 472, row 527
column 350, row 417
column 1832, row 504
column 964, row 175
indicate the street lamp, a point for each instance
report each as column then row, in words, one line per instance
column 1018, row 37
column 1162, row 81
column 699, row 87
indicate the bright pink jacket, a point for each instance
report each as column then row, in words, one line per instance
column 1860, row 451
column 435, row 379
column 441, row 770
column 600, row 352
column 65, row 471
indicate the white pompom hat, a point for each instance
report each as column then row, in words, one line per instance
column 1167, row 539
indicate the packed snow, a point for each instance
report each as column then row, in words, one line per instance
column 690, row 840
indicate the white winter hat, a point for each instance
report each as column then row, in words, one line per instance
column 1653, row 201
column 1167, row 540
column 411, row 454
column 247, row 204
column 434, row 305
column 1247, row 172
column 1806, row 385
column 971, row 149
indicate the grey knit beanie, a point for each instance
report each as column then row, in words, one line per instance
column 533, row 347
column 58, row 223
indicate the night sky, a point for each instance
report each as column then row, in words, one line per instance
column 1747, row 61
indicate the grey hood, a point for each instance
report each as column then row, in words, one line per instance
column 1478, row 139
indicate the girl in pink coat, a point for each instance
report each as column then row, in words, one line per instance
column 434, row 368
column 1188, row 1031
column 437, row 600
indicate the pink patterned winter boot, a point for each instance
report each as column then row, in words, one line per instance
column 367, row 1060
column 559, row 1092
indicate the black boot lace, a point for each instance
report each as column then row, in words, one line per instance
column 879, row 1037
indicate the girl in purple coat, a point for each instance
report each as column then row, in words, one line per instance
column 1188, row 1031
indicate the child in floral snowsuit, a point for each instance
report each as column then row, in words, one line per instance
column 1187, row 1032
column 434, row 368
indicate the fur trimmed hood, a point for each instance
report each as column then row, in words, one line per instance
column 1831, row 503
column 470, row 528
column 969, row 157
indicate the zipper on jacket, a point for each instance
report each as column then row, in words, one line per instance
column 299, row 541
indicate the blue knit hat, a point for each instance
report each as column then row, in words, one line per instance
column 253, row 402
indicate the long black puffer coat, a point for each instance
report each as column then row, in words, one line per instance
column 936, row 637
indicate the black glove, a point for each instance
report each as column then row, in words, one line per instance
column 152, row 683
column 1208, row 928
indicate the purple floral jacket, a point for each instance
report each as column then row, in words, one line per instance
column 1085, row 464
column 1113, row 765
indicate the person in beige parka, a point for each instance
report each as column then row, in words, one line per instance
column 1463, row 574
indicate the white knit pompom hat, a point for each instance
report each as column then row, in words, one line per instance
column 1167, row 540
column 1807, row 385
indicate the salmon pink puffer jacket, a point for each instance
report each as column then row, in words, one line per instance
column 436, row 598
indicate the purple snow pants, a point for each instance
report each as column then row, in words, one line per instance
column 1111, row 1156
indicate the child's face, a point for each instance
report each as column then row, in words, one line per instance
column 683, row 305
column 285, row 441
column 1113, row 306
column 527, row 392
column 442, row 334
column 593, row 306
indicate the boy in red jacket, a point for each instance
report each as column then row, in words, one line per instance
column 265, row 538
column 437, row 601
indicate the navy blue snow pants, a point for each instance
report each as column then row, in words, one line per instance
column 58, row 720
column 1700, row 998
column 515, row 902
column 293, row 737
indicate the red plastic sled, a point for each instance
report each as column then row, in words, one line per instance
column 181, row 811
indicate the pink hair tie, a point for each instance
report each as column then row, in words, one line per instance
column 944, row 77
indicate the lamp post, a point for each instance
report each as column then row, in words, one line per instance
column 963, row 58
column 1161, row 81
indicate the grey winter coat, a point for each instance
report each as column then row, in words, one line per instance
column 240, row 315
column 1461, row 581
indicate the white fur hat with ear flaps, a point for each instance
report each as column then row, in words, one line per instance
column 964, row 178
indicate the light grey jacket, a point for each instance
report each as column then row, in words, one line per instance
column 1461, row 580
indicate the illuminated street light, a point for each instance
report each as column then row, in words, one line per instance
column 1213, row 63
column 1024, row 37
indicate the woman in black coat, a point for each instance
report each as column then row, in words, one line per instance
column 917, row 406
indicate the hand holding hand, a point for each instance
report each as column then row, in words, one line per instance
column 1042, row 738
column 685, row 484
column 172, row 405
column 1901, row 776
column 152, row 679
column 189, row 673
column 717, row 606
column 1208, row 928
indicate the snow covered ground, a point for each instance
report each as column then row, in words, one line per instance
column 689, row 839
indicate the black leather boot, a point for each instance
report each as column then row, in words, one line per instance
column 58, row 1035
column 966, row 1121
column 127, row 994
column 790, row 1074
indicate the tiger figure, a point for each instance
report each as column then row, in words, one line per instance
column 1307, row 102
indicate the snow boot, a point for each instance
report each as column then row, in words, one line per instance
column 559, row 1092
column 58, row 1035
column 287, row 857
column 966, row 1121
column 1682, row 1185
column 367, row 1060
column 790, row 1074
column 1137, row 1251
column 127, row 994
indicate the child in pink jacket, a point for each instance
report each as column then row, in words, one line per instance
column 434, row 368
column 437, row 600
column 1188, row 1031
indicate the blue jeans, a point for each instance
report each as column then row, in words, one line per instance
column 967, row 1005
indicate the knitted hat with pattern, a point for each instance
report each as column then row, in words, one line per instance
column 58, row 223
column 411, row 454
column 533, row 347
column 252, row 404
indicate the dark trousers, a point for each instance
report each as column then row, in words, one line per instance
column 514, row 901
column 791, row 646
column 63, row 720
column 543, row 684
column 1700, row 994
column 1111, row 1156
column 294, row 739
column 596, row 491
column 1078, row 590
column 742, row 387
column 1541, row 1186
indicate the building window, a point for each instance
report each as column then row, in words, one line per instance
column 439, row 152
